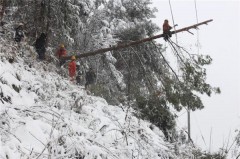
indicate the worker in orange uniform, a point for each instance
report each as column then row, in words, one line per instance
column 62, row 52
column 166, row 30
column 72, row 68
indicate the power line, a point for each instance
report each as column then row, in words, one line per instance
column 196, row 12
column 173, row 19
column 182, row 114
column 176, row 52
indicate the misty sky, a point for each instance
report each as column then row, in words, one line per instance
column 221, row 40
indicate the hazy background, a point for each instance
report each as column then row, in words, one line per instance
column 221, row 40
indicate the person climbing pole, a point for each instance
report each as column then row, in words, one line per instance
column 61, row 52
column 40, row 46
column 166, row 30
column 72, row 68
column 19, row 34
column 90, row 78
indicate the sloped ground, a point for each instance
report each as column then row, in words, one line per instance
column 43, row 115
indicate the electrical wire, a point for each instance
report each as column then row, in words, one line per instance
column 172, row 19
column 196, row 12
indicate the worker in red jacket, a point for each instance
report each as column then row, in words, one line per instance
column 166, row 30
column 72, row 68
column 62, row 52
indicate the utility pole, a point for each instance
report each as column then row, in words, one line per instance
column 125, row 45
column 189, row 125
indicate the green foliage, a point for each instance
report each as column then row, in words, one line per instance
column 194, row 81
column 207, row 155
column 194, row 75
column 106, row 92
column 131, row 34
column 137, row 32
column 156, row 111
column 138, row 9
column 204, row 60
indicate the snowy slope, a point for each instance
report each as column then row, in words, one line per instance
column 43, row 115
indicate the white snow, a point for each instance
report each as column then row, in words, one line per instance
column 49, row 116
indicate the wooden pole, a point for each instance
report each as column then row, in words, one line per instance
column 121, row 46
column 189, row 126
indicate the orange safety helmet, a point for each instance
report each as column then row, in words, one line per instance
column 73, row 58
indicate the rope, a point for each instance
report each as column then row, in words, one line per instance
column 182, row 48
column 173, row 20
column 175, row 50
column 165, row 60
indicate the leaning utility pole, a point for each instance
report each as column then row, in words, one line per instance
column 121, row 46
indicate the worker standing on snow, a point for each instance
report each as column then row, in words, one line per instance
column 166, row 30
column 90, row 78
column 79, row 74
column 72, row 68
column 19, row 34
column 40, row 46
column 62, row 52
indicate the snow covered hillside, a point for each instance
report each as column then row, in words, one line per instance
column 43, row 115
